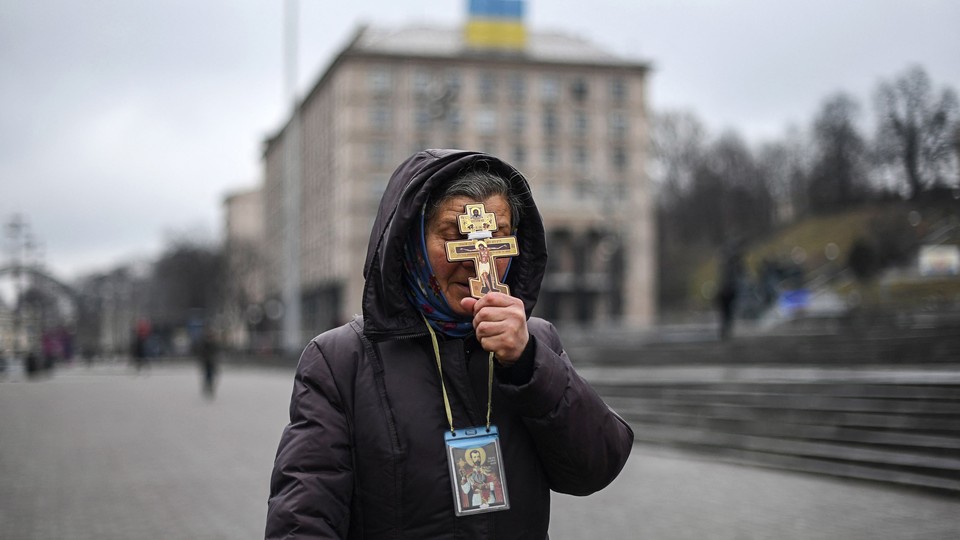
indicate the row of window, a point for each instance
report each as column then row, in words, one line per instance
column 381, row 156
column 491, row 85
column 487, row 120
column 582, row 187
column 580, row 157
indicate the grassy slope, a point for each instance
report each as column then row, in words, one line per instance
column 811, row 237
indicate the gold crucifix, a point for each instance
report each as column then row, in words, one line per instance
column 481, row 248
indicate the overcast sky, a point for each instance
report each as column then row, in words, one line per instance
column 122, row 122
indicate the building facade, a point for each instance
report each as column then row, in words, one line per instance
column 569, row 115
column 244, row 313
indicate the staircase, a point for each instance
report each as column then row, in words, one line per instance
column 878, row 402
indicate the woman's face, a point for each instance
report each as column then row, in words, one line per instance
column 454, row 277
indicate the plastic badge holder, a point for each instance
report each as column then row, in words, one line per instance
column 476, row 470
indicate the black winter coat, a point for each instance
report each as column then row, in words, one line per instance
column 364, row 456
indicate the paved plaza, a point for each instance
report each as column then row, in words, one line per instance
column 105, row 453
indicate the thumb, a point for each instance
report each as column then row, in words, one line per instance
column 468, row 303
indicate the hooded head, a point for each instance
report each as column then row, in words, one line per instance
column 413, row 191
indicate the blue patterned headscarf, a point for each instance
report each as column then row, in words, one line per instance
column 423, row 289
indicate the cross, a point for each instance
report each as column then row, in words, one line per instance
column 481, row 248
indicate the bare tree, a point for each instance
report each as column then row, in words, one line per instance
column 785, row 165
column 728, row 196
column 745, row 206
column 710, row 194
column 678, row 142
column 187, row 280
column 838, row 175
column 915, row 129
column 956, row 152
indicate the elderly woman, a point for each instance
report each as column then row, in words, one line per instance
column 440, row 415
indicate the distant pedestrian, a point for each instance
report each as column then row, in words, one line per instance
column 730, row 272
column 32, row 364
column 140, row 335
column 207, row 350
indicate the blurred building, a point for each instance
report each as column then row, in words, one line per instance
column 110, row 305
column 567, row 113
column 6, row 331
column 243, row 310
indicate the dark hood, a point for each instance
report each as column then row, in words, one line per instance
column 386, row 311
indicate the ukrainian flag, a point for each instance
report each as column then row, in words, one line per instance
column 496, row 24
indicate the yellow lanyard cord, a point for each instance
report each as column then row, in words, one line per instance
column 489, row 387
column 443, row 388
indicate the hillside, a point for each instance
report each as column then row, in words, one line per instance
column 816, row 253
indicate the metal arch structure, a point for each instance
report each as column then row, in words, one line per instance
column 44, row 277
column 27, row 331
column 47, row 282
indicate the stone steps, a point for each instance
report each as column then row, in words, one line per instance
column 784, row 351
column 837, row 468
column 930, row 439
column 773, row 402
column 877, row 456
column 907, row 434
column 883, row 344
column 875, row 399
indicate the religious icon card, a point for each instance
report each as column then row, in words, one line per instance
column 476, row 470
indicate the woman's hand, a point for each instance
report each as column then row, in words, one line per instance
column 500, row 323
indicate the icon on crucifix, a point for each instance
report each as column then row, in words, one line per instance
column 481, row 248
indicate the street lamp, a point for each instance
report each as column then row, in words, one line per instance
column 16, row 230
column 291, row 187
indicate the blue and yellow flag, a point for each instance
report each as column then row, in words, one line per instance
column 496, row 24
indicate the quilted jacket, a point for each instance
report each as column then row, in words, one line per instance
column 363, row 456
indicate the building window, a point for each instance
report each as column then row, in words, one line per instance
column 380, row 81
column 583, row 187
column 380, row 154
column 486, row 121
column 550, row 89
column 517, row 87
column 551, row 158
column 579, row 90
column 421, row 83
column 452, row 80
column 618, row 125
column 581, row 160
column 488, row 145
column 581, row 124
column 618, row 90
column 619, row 159
column 422, row 117
column 551, row 122
column 487, row 87
column 620, row 189
column 518, row 121
column 453, row 119
column 519, row 155
column 381, row 117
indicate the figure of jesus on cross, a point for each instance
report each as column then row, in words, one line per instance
column 482, row 249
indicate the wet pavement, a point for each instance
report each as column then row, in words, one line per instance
column 105, row 453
